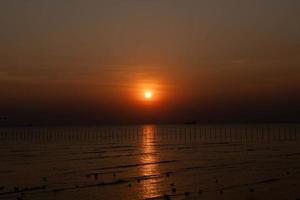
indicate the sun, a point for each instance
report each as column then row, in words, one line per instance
column 148, row 95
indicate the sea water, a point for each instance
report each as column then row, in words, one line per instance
column 256, row 161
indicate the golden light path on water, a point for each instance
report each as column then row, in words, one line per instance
column 150, row 186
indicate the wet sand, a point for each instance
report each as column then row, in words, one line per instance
column 151, row 162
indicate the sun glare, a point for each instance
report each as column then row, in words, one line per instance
column 148, row 95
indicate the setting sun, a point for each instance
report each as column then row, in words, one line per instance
column 148, row 95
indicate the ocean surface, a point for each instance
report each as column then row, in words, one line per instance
column 231, row 162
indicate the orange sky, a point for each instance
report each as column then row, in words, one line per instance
column 90, row 61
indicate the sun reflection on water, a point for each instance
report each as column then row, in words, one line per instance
column 149, row 186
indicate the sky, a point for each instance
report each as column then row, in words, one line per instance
column 89, row 61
